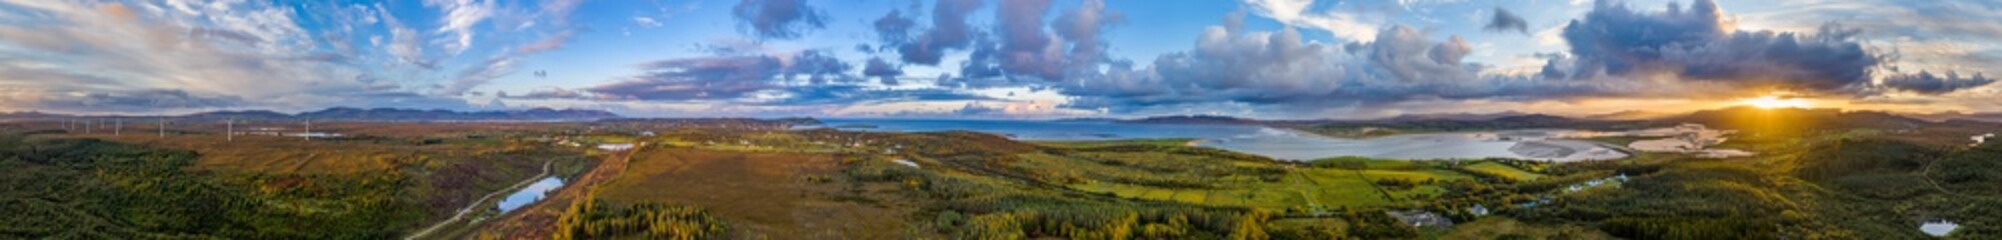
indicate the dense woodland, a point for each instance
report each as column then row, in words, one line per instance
column 60, row 187
column 597, row 219
column 97, row 189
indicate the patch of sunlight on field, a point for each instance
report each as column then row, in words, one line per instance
column 1342, row 188
column 1503, row 171
column 1191, row 196
column 1419, row 175
column 1163, row 175
column 1393, row 164
column 1163, row 194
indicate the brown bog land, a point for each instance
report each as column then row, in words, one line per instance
column 761, row 195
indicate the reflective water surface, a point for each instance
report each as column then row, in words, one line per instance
column 534, row 192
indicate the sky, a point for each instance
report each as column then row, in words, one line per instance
column 1276, row 59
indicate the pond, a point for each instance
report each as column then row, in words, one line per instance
column 534, row 192
column 1938, row 228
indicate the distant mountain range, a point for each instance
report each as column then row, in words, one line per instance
column 1426, row 117
column 1631, row 115
column 358, row 114
column 1455, row 116
column 1955, row 115
column 1195, row 119
column 1523, row 117
column 1507, row 116
column 1734, row 117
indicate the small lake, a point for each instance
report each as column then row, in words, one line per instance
column 1271, row 142
column 534, row 192
column 1938, row 228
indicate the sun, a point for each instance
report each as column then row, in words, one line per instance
column 1771, row 102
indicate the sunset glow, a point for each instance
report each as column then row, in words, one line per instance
column 1771, row 102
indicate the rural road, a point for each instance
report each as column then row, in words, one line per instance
column 481, row 202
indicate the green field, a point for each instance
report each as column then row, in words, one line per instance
column 1502, row 171
column 1154, row 170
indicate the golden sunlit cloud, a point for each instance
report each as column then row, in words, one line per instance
column 1771, row 102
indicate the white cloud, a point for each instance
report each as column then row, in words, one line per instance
column 646, row 22
column 460, row 17
column 1346, row 25
column 178, row 56
column 145, row 59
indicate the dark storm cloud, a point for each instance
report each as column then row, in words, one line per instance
column 882, row 70
column 1081, row 28
column 979, row 65
column 852, row 94
column 949, row 31
column 893, row 28
column 1505, row 20
column 1026, row 51
column 1227, row 64
column 817, row 67
column 1259, row 67
column 1927, row 83
column 1407, row 55
column 1025, row 48
column 723, row 77
column 1230, row 65
column 779, row 19
column 1698, row 44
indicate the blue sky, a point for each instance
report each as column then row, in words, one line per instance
column 998, row 59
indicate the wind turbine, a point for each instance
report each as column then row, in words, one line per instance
column 162, row 118
column 117, row 126
column 230, row 128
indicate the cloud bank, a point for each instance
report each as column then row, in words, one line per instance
column 1927, row 83
column 971, row 57
column 1698, row 44
column 779, row 19
column 180, row 56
